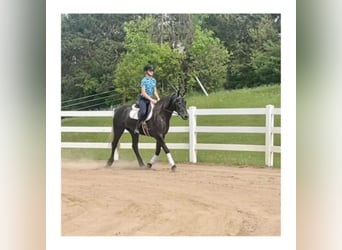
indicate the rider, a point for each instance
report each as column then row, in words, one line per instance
column 148, row 90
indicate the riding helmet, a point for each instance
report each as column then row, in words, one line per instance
column 148, row 67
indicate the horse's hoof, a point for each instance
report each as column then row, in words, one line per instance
column 149, row 165
column 173, row 168
column 109, row 164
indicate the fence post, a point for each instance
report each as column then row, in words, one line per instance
column 192, row 135
column 269, row 136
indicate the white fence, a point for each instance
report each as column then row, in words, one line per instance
column 269, row 130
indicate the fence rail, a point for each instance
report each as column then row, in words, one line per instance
column 269, row 130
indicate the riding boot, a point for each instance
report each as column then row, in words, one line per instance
column 136, row 130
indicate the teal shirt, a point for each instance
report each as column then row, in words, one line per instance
column 149, row 84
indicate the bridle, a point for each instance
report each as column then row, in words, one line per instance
column 173, row 103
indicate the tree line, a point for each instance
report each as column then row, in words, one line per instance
column 103, row 55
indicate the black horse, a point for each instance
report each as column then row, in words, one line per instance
column 157, row 126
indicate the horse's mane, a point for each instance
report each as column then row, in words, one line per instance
column 164, row 103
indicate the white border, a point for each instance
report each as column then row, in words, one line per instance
column 54, row 9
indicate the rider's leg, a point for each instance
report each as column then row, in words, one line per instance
column 141, row 114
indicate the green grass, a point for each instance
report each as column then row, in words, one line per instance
column 245, row 98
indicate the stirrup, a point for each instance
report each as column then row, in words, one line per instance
column 136, row 130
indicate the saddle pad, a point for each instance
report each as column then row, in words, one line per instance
column 133, row 114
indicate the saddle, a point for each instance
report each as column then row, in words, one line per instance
column 133, row 114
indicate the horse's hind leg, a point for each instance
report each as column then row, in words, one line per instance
column 135, row 141
column 117, row 134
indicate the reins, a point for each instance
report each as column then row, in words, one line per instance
column 168, row 111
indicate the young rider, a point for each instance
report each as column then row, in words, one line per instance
column 148, row 91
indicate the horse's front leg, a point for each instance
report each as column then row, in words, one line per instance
column 168, row 154
column 135, row 141
column 156, row 155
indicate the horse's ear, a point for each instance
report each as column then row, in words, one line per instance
column 178, row 92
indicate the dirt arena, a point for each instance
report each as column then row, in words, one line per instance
column 196, row 200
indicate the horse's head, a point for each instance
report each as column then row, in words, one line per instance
column 179, row 105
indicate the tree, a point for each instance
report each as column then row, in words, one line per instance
column 104, row 53
column 175, row 29
column 91, row 47
column 265, row 58
column 236, row 33
column 140, row 51
column 207, row 60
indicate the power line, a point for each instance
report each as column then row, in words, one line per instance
column 97, row 104
column 83, row 97
column 75, row 104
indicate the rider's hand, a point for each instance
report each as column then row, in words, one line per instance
column 154, row 101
